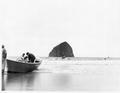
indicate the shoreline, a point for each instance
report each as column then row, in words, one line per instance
column 73, row 58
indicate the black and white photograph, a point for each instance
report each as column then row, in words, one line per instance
column 60, row 45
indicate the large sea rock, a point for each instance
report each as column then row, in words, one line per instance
column 62, row 50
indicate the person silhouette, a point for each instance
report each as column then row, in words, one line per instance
column 4, row 56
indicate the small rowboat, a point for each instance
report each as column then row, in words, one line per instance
column 21, row 67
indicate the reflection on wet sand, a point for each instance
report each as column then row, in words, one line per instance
column 54, row 81
column 20, row 81
column 3, row 83
column 35, row 81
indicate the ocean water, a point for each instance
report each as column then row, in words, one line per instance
column 70, row 74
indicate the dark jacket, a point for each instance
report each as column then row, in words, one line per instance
column 4, row 53
column 31, row 57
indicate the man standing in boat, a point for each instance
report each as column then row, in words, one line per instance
column 4, row 56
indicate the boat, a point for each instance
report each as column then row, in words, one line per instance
column 21, row 67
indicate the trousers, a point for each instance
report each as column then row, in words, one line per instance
column 3, row 64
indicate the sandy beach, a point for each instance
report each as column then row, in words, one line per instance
column 67, row 75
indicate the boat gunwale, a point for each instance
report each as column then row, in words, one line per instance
column 25, row 63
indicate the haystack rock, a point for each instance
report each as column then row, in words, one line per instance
column 62, row 50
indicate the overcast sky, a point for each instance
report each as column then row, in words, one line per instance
column 91, row 27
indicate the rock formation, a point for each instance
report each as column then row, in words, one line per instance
column 62, row 50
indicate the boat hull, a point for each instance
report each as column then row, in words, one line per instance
column 21, row 67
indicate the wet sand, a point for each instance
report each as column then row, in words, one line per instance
column 67, row 76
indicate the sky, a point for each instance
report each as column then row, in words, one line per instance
column 91, row 27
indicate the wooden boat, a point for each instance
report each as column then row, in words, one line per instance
column 21, row 67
